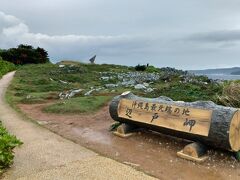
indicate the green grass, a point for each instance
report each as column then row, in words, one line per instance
column 41, row 82
column 6, row 67
column 79, row 105
column 7, row 144
column 189, row 92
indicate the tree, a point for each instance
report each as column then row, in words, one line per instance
column 25, row 54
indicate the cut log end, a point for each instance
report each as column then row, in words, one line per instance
column 234, row 132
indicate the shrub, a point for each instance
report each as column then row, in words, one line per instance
column 152, row 69
column 230, row 95
column 25, row 54
column 6, row 67
column 7, row 144
column 140, row 67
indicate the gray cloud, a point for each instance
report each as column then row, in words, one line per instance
column 217, row 36
column 162, row 33
column 14, row 32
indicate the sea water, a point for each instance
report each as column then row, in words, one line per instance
column 222, row 76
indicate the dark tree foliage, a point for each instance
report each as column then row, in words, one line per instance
column 140, row 67
column 25, row 54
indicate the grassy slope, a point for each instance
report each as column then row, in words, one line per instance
column 38, row 83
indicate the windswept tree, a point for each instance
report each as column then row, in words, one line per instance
column 25, row 54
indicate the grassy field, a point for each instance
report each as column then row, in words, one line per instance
column 43, row 82
column 40, row 83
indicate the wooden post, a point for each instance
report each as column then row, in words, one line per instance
column 194, row 152
column 125, row 130
column 200, row 121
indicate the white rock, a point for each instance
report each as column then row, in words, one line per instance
column 63, row 82
column 146, row 84
column 148, row 90
column 89, row 92
column 128, row 83
column 104, row 78
column 139, row 86
column 61, row 65
column 111, row 85
column 98, row 89
column 74, row 92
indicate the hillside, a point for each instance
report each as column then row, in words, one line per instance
column 76, row 83
column 71, row 99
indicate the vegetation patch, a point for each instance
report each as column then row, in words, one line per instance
column 6, row 67
column 39, row 83
column 230, row 94
column 7, row 144
column 25, row 54
column 190, row 92
column 79, row 105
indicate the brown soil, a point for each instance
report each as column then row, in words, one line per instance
column 147, row 151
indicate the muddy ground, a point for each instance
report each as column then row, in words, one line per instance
column 153, row 153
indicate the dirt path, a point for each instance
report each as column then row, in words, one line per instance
column 45, row 155
column 150, row 152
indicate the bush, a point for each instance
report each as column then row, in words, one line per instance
column 25, row 54
column 230, row 95
column 152, row 69
column 6, row 67
column 140, row 67
column 7, row 144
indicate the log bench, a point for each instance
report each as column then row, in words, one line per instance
column 203, row 122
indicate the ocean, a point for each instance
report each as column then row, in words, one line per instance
column 222, row 76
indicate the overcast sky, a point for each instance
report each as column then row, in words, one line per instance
column 186, row 34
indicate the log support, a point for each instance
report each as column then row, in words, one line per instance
column 125, row 130
column 196, row 152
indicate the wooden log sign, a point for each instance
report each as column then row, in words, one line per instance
column 186, row 119
column 201, row 121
